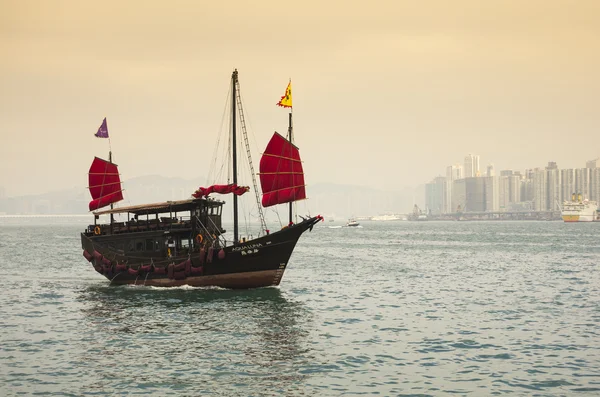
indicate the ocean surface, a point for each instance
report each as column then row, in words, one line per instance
column 388, row 309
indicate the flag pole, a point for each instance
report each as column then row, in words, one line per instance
column 286, row 102
column 290, row 138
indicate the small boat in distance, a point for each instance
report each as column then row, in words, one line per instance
column 352, row 222
column 417, row 214
column 176, row 243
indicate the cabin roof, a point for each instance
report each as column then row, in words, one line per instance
column 167, row 206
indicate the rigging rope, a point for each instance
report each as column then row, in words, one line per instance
column 213, row 165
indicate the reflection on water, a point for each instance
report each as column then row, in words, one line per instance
column 245, row 336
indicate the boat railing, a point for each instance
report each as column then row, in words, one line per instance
column 141, row 225
column 214, row 238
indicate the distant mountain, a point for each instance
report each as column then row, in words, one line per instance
column 344, row 201
column 329, row 199
column 143, row 189
column 156, row 188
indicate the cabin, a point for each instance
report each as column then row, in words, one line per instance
column 160, row 230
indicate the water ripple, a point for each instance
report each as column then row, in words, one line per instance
column 399, row 308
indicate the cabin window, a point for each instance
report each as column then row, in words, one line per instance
column 149, row 245
column 185, row 243
column 139, row 245
column 131, row 246
column 156, row 245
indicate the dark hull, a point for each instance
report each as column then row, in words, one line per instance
column 260, row 262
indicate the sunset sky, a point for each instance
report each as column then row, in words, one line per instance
column 386, row 93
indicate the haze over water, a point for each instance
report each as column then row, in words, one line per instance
column 386, row 93
column 397, row 308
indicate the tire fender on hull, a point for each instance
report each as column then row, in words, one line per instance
column 133, row 272
column 87, row 255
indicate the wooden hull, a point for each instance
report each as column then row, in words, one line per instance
column 256, row 263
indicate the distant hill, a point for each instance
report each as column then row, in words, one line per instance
column 329, row 199
column 344, row 201
column 143, row 189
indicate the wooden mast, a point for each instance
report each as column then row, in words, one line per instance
column 290, row 139
column 234, row 78
column 112, row 219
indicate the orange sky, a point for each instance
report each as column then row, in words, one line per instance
column 385, row 92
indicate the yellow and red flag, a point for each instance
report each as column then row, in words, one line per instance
column 286, row 100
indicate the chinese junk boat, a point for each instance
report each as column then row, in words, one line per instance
column 176, row 243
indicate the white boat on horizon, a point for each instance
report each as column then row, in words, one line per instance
column 579, row 210
column 387, row 217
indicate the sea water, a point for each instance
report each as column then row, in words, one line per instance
column 388, row 308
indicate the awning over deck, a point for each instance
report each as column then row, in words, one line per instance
column 167, row 206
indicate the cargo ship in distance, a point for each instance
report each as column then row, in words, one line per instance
column 580, row 210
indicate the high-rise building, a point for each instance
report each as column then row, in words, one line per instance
column 459, row 195
column 453, row 173
column 471, row 165
column 475, row 194
column 593, row 163
column 540, row 190
column 529, row 173
column 583, row 179
column 567, row 184
column 491, row 194
column 490, row 170
column 527, row 190
column 434, row 195
column 514, row 188
column 506, row 172
column 595, row 185
column 503, row 193
column 553, row 190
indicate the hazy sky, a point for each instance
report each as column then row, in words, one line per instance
column 385, row 92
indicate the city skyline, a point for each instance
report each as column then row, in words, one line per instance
column 378, row 86
column 534, row 189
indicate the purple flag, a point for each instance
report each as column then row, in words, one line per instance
column 103, row 130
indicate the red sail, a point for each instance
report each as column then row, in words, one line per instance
column 221, row 189
column 281, row 174
column 104, row 184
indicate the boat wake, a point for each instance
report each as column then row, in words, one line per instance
column 181, row 287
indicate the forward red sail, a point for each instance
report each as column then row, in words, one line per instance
column 104, row 184
column 281, row 173
column 221, row 189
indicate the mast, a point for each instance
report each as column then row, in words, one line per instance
column 110, row 161
column 112, row 219
column 291, row 141
column 234, row 78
